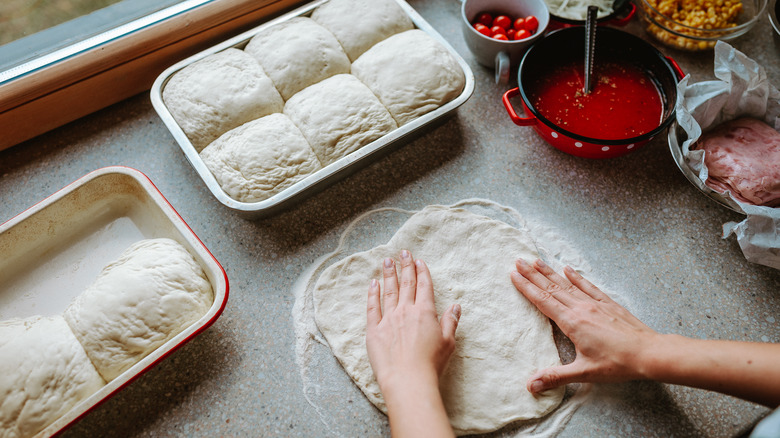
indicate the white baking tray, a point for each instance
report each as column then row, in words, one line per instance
column 331, row 173
column 55, row 250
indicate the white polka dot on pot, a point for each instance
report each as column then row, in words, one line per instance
column 554, row 134
column 578, row 144
column 631, row 146
column 605, row 148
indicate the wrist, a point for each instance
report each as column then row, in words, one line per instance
column 405, row 380
column 662, row 356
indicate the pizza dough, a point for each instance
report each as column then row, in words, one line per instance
column 359, row 24
column 44, row 372
column 146, row 297
column 411, row 74
column 502, row 339
column 260, row 158
column 218, row 93
column 337, row 116
column 298, row 53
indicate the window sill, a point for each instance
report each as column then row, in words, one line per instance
column 86, row 82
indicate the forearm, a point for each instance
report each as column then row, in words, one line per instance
column 415, row 408
column 747, row 370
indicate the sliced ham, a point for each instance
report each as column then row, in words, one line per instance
column 743, row 157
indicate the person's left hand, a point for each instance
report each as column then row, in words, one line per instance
column 406, row 342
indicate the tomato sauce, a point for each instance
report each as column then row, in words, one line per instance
column 623, row 103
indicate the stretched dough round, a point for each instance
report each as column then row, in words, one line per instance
column 359, row 24
column 411, row 74
column 298, row 53
column 218, row 93
column 44, row 372
column 338, row 116
column 260, row 158
column 502, row 339
column 151, row 293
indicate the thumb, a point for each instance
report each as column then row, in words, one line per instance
column 554, row 377
column 449, row 322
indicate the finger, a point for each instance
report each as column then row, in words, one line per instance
column 584, row 285
column 424, row 294
column 391, row 284
column 542, row 299
column 554, row 377
column 449, row 322
column 408, row 287
column 551, row 275
column 373, row 307
column 542, row 282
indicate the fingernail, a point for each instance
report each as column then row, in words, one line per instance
column 521, row 262
column 540, row 263
column 388, row 262
column 419, row 263
column 374, row 283
column 456, row 312
column 404, row 254
column 536, row 386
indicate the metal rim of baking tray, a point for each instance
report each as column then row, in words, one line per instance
column 676, row 137
column 333, row 171
column 218, row 277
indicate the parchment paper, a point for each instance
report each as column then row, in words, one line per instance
column 741, row 91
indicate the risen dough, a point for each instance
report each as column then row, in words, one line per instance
column 298, row 53
column 411, row 74
column 338, row 115
column 260, row 158
column 44, row 372
column 151, row 293
column 502, row 339
column 218, row 93
column 359, row 24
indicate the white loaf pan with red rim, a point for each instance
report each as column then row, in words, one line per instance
column 331, row 173
column 54, row 250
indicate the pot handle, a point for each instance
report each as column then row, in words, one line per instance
column 624, row 21
column 675, row 67
column 519, row 121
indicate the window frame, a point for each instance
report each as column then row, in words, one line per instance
column 58, row 93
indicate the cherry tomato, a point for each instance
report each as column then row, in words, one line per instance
column 520, row 23
column 510, row 34
column 522, row 34
column 500, row 36
column 531, row 23
column 485, row 18
column 484, row 30
column 503, row 22
column 497, row 30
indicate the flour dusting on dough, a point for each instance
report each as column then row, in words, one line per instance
column 328, row 388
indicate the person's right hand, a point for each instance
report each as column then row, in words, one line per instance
column 610, row 342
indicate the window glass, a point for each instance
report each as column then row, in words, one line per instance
column 35, row 33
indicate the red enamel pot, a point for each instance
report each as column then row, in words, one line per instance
column 564, row 46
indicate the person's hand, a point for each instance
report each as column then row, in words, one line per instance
column 404, row 337
column 408, row 348
column 610, row 342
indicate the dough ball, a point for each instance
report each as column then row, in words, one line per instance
column 298, row 53
column 260, row 158
column 411, row 74
column 151, row 293
column 359, row 24
column 44, row 372
column 217, row 93
column 338, row 116
column 502, row 339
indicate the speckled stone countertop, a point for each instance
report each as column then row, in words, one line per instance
column 643, row 228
